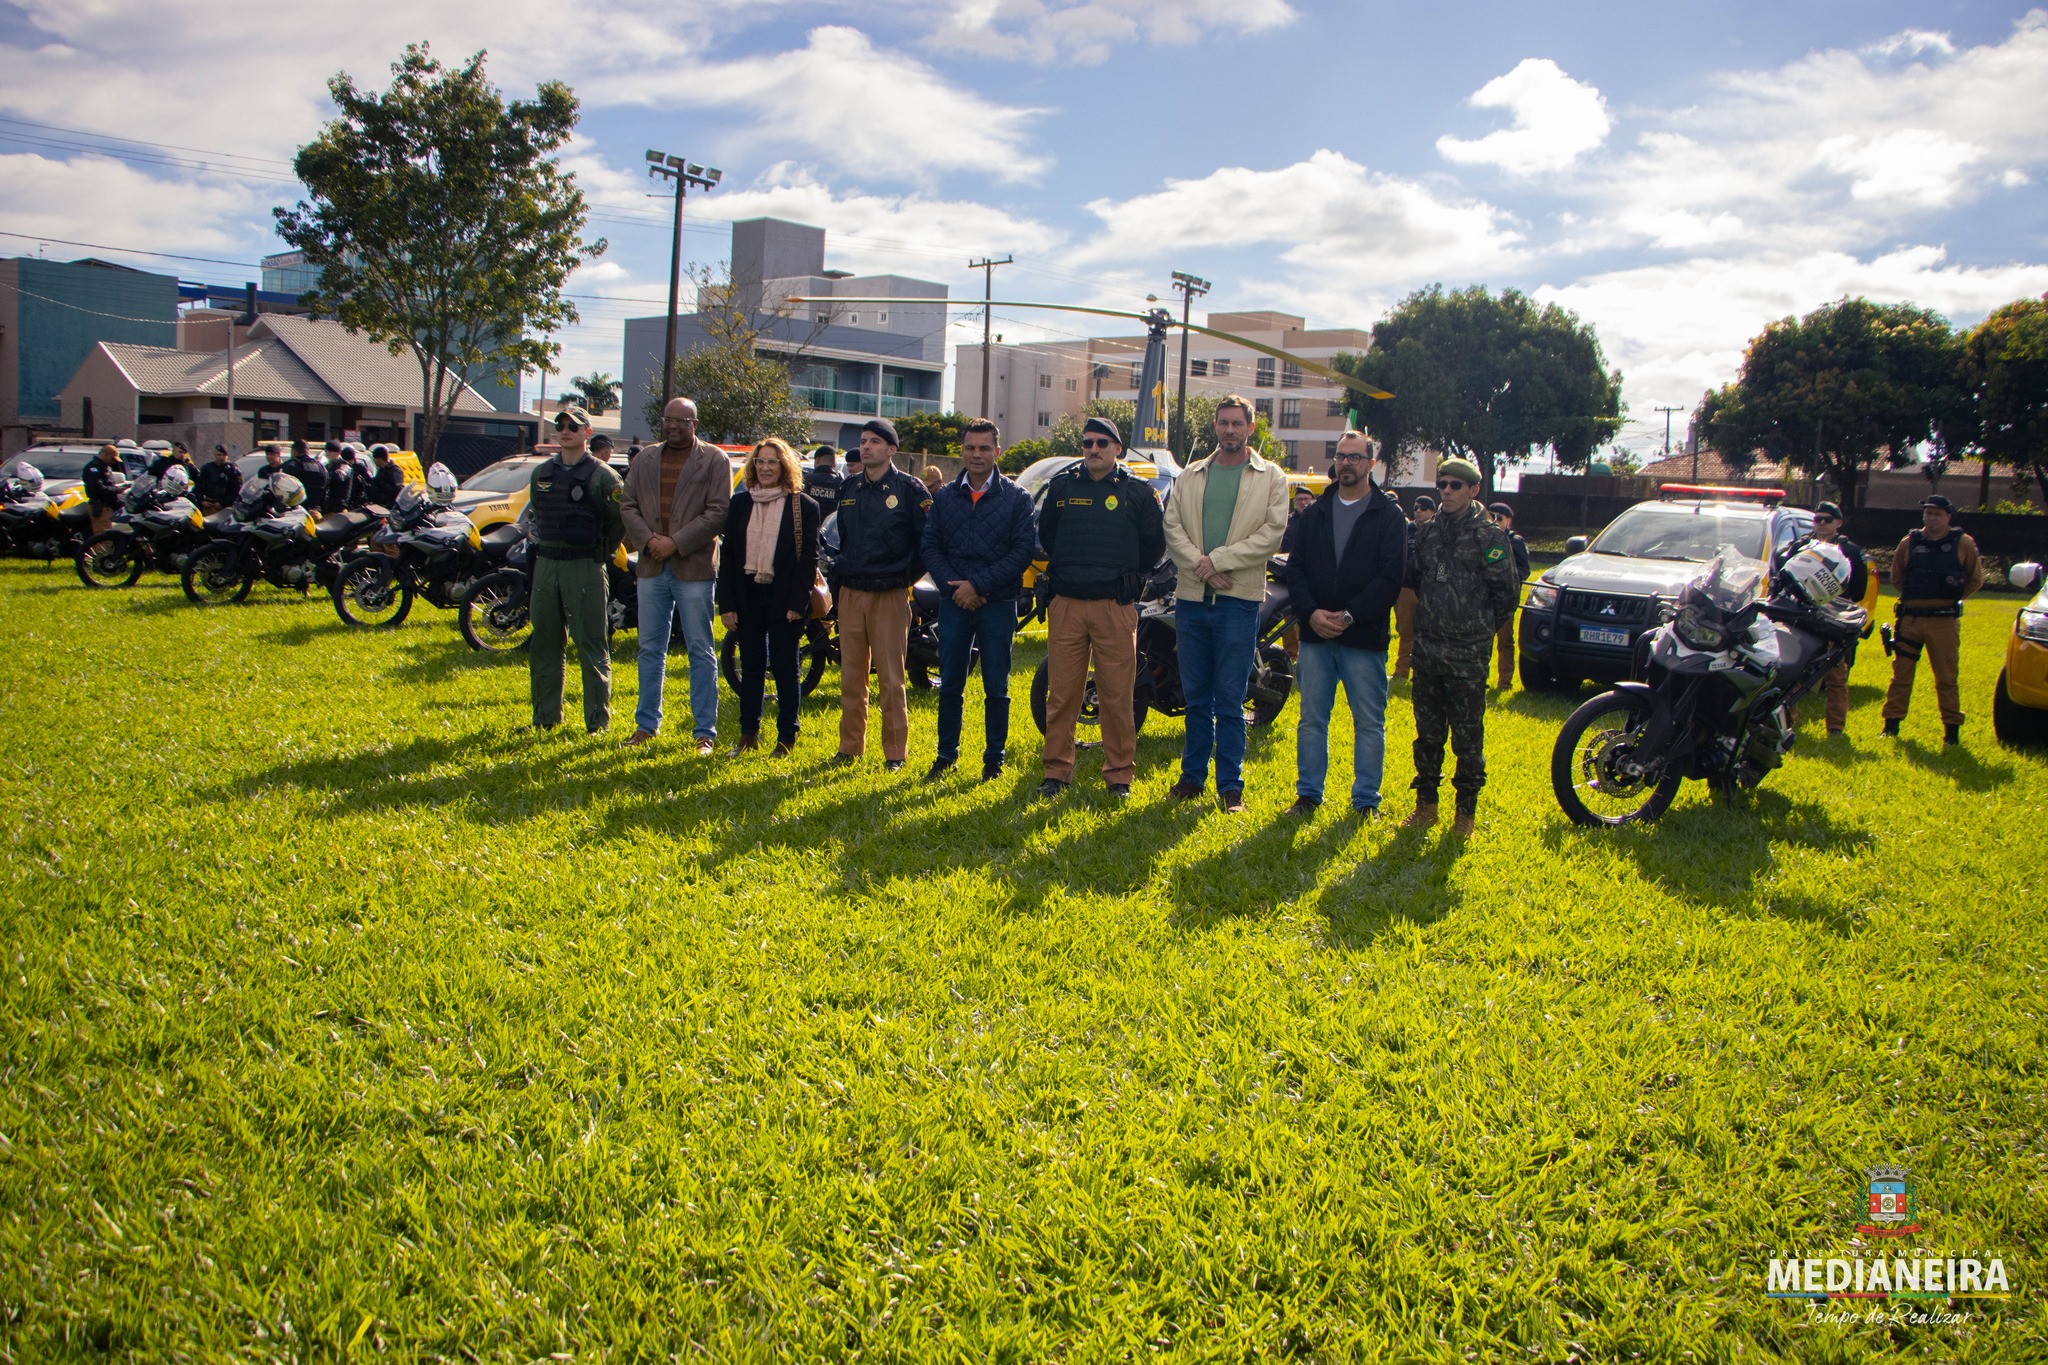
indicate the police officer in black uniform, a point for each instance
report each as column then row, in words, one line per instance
column 389, row 480
column 218, row 482
column 103, row 477
column 341, row 481
column 822, row 479
column 308, row 470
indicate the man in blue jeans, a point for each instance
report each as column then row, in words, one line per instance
column 1226, row 518
column 675, row 504
column 978, row 541
column 1343, row 576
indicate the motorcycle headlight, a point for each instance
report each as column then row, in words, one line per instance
column 1697, row 629
column 1542, row 597
column 2034, row 626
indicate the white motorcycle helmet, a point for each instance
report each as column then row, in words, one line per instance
column 441, row 483
column 287, row 490
column 1818, row 575
column 177, row 481
column 25, row 479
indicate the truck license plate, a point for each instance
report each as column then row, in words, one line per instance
column 1604, row 635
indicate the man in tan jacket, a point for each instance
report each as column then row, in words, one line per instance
column 1226, row 518
column 676, row 497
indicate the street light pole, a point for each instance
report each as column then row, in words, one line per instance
column 1189, row 286
column 684, row 173
column 988, row 288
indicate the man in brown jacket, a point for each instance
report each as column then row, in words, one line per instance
column 676, row 496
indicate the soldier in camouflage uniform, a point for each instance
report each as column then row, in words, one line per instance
column 1462, row 569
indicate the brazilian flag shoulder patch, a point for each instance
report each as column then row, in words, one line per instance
column 1496, row 554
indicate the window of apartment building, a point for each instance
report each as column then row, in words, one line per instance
column 1265, row 375
column 1073, row 385
column 1290, row 412
column 1293, row 456
column 1045, row 419
column 1134, row 377
column 1335, row 408
column 1263, row 407
column 1290, row 375
column 1220, row 368
column 1198, row 368
column 1045, row 381
column 1330, row 451
column 852, row 320
column 882, row 317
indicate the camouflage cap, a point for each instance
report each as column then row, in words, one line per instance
column 572, row 415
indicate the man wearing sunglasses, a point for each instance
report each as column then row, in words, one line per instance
column 1100, row 528
column 1827, row 530
column 575, row 503
column 1463, row 572
column 1227, row 517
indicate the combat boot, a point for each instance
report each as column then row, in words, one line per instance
column 1951, row 734
column 1465, row 824
column 1424, row 816
column 1891, row 729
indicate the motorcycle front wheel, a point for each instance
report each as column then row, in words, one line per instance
column 1593, row 768
column 371, row 592
column 493, row 614
column 210, row 579
column 109, row 560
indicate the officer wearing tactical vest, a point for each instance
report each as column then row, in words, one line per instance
column 1462, row 568
column 1102, row 532
column 575, row 505
column 1934, row 569
column 1827, row 530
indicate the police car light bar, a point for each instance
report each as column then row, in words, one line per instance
column 1708, row 490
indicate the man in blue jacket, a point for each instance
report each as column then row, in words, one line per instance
column 978, row 541
column 1343, row 576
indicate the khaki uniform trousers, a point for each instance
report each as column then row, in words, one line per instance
column 1836, row 684
column 1404, row 627
column 1941, row 637
column 1504, row 645
column 874, row 630
column 1107, row 631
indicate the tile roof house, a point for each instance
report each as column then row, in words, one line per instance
column 294, row 377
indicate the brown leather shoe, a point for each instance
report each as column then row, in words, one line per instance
column 782, row 750
column 706, row 748
column 747, row 744
column 1423, row 818
column 639, row 737
column 1464, row 825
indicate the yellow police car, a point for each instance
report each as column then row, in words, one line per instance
column 2019, row 709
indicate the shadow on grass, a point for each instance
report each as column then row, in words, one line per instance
column 1959, row 765
column 1719, row 853
column 1406, row 879
column 1280, row 862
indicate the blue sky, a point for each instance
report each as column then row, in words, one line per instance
column 1679, row 175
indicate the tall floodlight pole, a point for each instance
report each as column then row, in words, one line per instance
column 988, row 293
column 1189, row 286
column 685, row 174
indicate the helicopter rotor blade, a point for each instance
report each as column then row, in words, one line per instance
column 1338, row 377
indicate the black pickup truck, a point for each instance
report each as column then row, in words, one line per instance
column 1583, row 616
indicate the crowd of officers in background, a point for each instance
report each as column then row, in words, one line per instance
column 1450, row 577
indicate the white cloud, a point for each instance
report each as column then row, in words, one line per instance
column 94, row 199
column 1678, row 329
column 1332, row 215
column 1916, row 166
column 1556, row 119
column 1914, row 42
column 877, row 112
column 1090, row 31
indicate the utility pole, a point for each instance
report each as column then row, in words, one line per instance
column 988, row 293
column 1189, row 286
column 1667, row 441
column 685, row 174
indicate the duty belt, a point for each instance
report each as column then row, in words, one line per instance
column 1950, row 609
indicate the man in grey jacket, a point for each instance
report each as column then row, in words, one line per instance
column 676, row 497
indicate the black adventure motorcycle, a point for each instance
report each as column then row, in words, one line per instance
column 424, row 549
column 268, row 534
column 1719, row 698
column 158, row 527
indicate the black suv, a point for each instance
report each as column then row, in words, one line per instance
column 1582, row 617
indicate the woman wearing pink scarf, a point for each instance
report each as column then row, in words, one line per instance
column 765, row 572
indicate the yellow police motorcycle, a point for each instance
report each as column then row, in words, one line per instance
column 268, row 534
column 158, row 527
column 36, row 525
column 424, row 549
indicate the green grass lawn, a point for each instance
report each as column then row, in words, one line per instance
column 343, row 1015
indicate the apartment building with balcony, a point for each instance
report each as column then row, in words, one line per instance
column 1035, row 384
column 849, row 362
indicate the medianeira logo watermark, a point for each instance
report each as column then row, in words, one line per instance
column 1893, row 1283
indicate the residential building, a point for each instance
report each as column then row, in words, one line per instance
column 294, row 376
column 1035, row 384
column 849, row 362
column 52, row 314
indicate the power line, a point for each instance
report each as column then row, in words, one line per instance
column 139, row 142
column 125, row 250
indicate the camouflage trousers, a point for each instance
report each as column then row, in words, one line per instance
column 1449, row 705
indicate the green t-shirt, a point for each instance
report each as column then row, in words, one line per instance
column 1219, row 503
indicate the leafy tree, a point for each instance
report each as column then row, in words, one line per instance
column 441, row 224
column 1021, row 455
column 741, row 394
column 1721, row 423
column 598, row 393
column 1492, row 378
column 1849, row 384
column 2005, row 363
column 1622, row 460
column 1065, row 438
column 932, row 433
